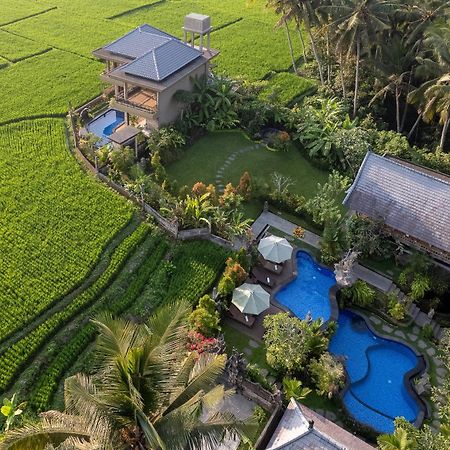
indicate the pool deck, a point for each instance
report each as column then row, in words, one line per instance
column 267, row 218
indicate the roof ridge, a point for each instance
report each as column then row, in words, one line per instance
column 156, row 64
column 398, row 162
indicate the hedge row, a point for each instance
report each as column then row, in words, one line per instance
column 21, row 351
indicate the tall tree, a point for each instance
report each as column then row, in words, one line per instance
column 148, row 392
column 357, row 26
column 393, row 69
column 305, row 13
column 433, row 96
column 284, row 8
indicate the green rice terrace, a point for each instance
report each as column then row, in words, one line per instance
column 224, row 224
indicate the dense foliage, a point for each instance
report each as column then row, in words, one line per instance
column 147, row 384
column 291, row 342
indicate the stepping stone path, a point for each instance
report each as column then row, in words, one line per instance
column 422, row 344
column 431, row 351
column 436, row 424
column 253, row 343
column 416, row 329
column 399, row 333
column 412, row 337
column 375, row 320
column 441, row 372
column 264, row 372
column 387, row 328
column 248, row 351
column 220, row 181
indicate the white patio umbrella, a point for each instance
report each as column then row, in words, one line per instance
column 251, row 299
column 275, row 249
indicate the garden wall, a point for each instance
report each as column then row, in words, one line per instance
column 170, row 227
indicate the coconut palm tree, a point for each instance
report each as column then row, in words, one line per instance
column 420, row 15
column 433, row 96
column 284, row 8
column 357, row 24
column 397, row 441
column 148, row 392
column 393, row 73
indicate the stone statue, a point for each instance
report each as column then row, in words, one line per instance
column 431, row 313
column 308, row 317
column 343, row 270
column 235, row 368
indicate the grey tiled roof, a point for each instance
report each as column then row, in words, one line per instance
column 407, row 198
column 312, row 440
column 162, row 61
column 139, row 41
column 294, row 432
column 155, row 54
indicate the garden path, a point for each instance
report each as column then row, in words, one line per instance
column 220, row 181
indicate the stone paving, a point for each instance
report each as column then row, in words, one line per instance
column 220, row 180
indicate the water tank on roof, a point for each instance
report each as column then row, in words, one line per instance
column 197, row 24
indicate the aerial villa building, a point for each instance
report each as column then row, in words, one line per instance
column 148, row 66
column 302, row 428
column 412, row 201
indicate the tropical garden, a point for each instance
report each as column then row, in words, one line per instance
column 288, row 123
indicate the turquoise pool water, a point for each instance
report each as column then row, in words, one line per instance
column 376, row 367
column 104, row 125
column 309, row 291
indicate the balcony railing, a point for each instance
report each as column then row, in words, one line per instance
column 139, row 99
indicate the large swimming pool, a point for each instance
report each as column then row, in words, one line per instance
column 105, row 124
column 309, row 291
column 376, row 367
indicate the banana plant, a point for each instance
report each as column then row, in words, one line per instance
column 11, row 410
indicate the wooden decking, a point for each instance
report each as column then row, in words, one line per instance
column 260, row 274
column 143, row 99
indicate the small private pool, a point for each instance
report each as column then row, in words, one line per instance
column 379, row 388
column 309, row 291
column 105, row 124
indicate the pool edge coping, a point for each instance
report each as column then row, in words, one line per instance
column 421, row 366
column 422, row 363
column 334, row 308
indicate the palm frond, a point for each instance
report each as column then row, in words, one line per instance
column 202, row 377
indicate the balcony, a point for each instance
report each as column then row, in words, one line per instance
column 138, row 102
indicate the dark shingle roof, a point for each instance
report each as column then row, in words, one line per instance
column 162, row 61
column 155, row 54
column 407, row 198
column 139, row 41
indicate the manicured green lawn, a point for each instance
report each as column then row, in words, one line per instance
column 203, row 160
